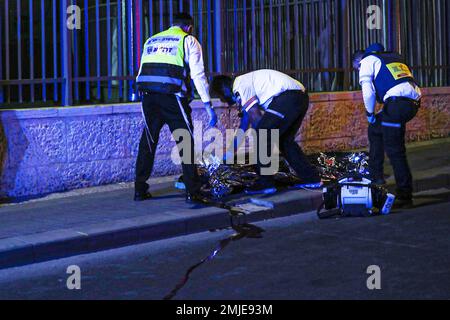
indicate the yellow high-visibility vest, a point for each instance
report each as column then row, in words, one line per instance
column 163, row 68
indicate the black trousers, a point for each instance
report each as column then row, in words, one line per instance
column 291, row 107
column 388, row 135
column 160, row 109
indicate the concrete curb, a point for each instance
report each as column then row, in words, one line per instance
column 439, row 181
column 23, row 250
column 39, row 247
column 436, row 182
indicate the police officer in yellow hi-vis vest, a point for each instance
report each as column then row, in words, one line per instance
column 385, row 77
column 169, row 61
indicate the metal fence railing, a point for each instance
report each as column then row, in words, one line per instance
column 45, row 63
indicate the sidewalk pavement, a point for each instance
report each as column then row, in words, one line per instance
column 83, row 222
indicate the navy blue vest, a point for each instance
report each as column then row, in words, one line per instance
column 393, row 72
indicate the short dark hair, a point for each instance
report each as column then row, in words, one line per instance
column 183, row 19
column 220, row 83
column 358, row 55
column 222, row 86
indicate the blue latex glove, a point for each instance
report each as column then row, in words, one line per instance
column 371, row 118
column 211, row 113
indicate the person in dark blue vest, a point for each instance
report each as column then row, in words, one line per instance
column 385, row 77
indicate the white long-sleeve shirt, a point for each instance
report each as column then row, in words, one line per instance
column 194, row 58
column 261, row 86
column 370, row 67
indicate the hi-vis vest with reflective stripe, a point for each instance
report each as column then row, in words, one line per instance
column 393, row 72
column 163, row 68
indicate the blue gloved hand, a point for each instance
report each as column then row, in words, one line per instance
column 211, row 113
column 371, row 118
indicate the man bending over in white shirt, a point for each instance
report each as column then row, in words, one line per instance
column 270, row 100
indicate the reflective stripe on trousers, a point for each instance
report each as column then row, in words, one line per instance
column 184, row 116
column 159, row 79
column 391, row 124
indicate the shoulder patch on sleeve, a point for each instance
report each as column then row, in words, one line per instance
column 250, row 103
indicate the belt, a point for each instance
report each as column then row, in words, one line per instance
column 148, row 92
column 403, row 99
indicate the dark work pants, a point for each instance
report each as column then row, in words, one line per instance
column 292, row 107
column 388, row 135
column 160, row 109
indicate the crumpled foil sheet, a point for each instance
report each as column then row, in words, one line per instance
column 333, row 166
column 221, row 180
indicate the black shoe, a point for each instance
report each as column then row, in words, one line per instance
column 142, row 196
column 313, row 184
column 379, row 182
column 196, row 199
column 403, row 204
column 261, row 188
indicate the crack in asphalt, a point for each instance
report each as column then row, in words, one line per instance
column 242, row 231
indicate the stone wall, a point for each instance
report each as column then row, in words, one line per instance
column 51, row 150
column 337, row 121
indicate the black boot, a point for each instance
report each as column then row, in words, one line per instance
column 403, row 200
column 403, row 204
column 379, row 182
column 142, row 196
column 141, row 192
column 197, row 198
column 264, row 185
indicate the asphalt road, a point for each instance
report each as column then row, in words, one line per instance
column 298, row 257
